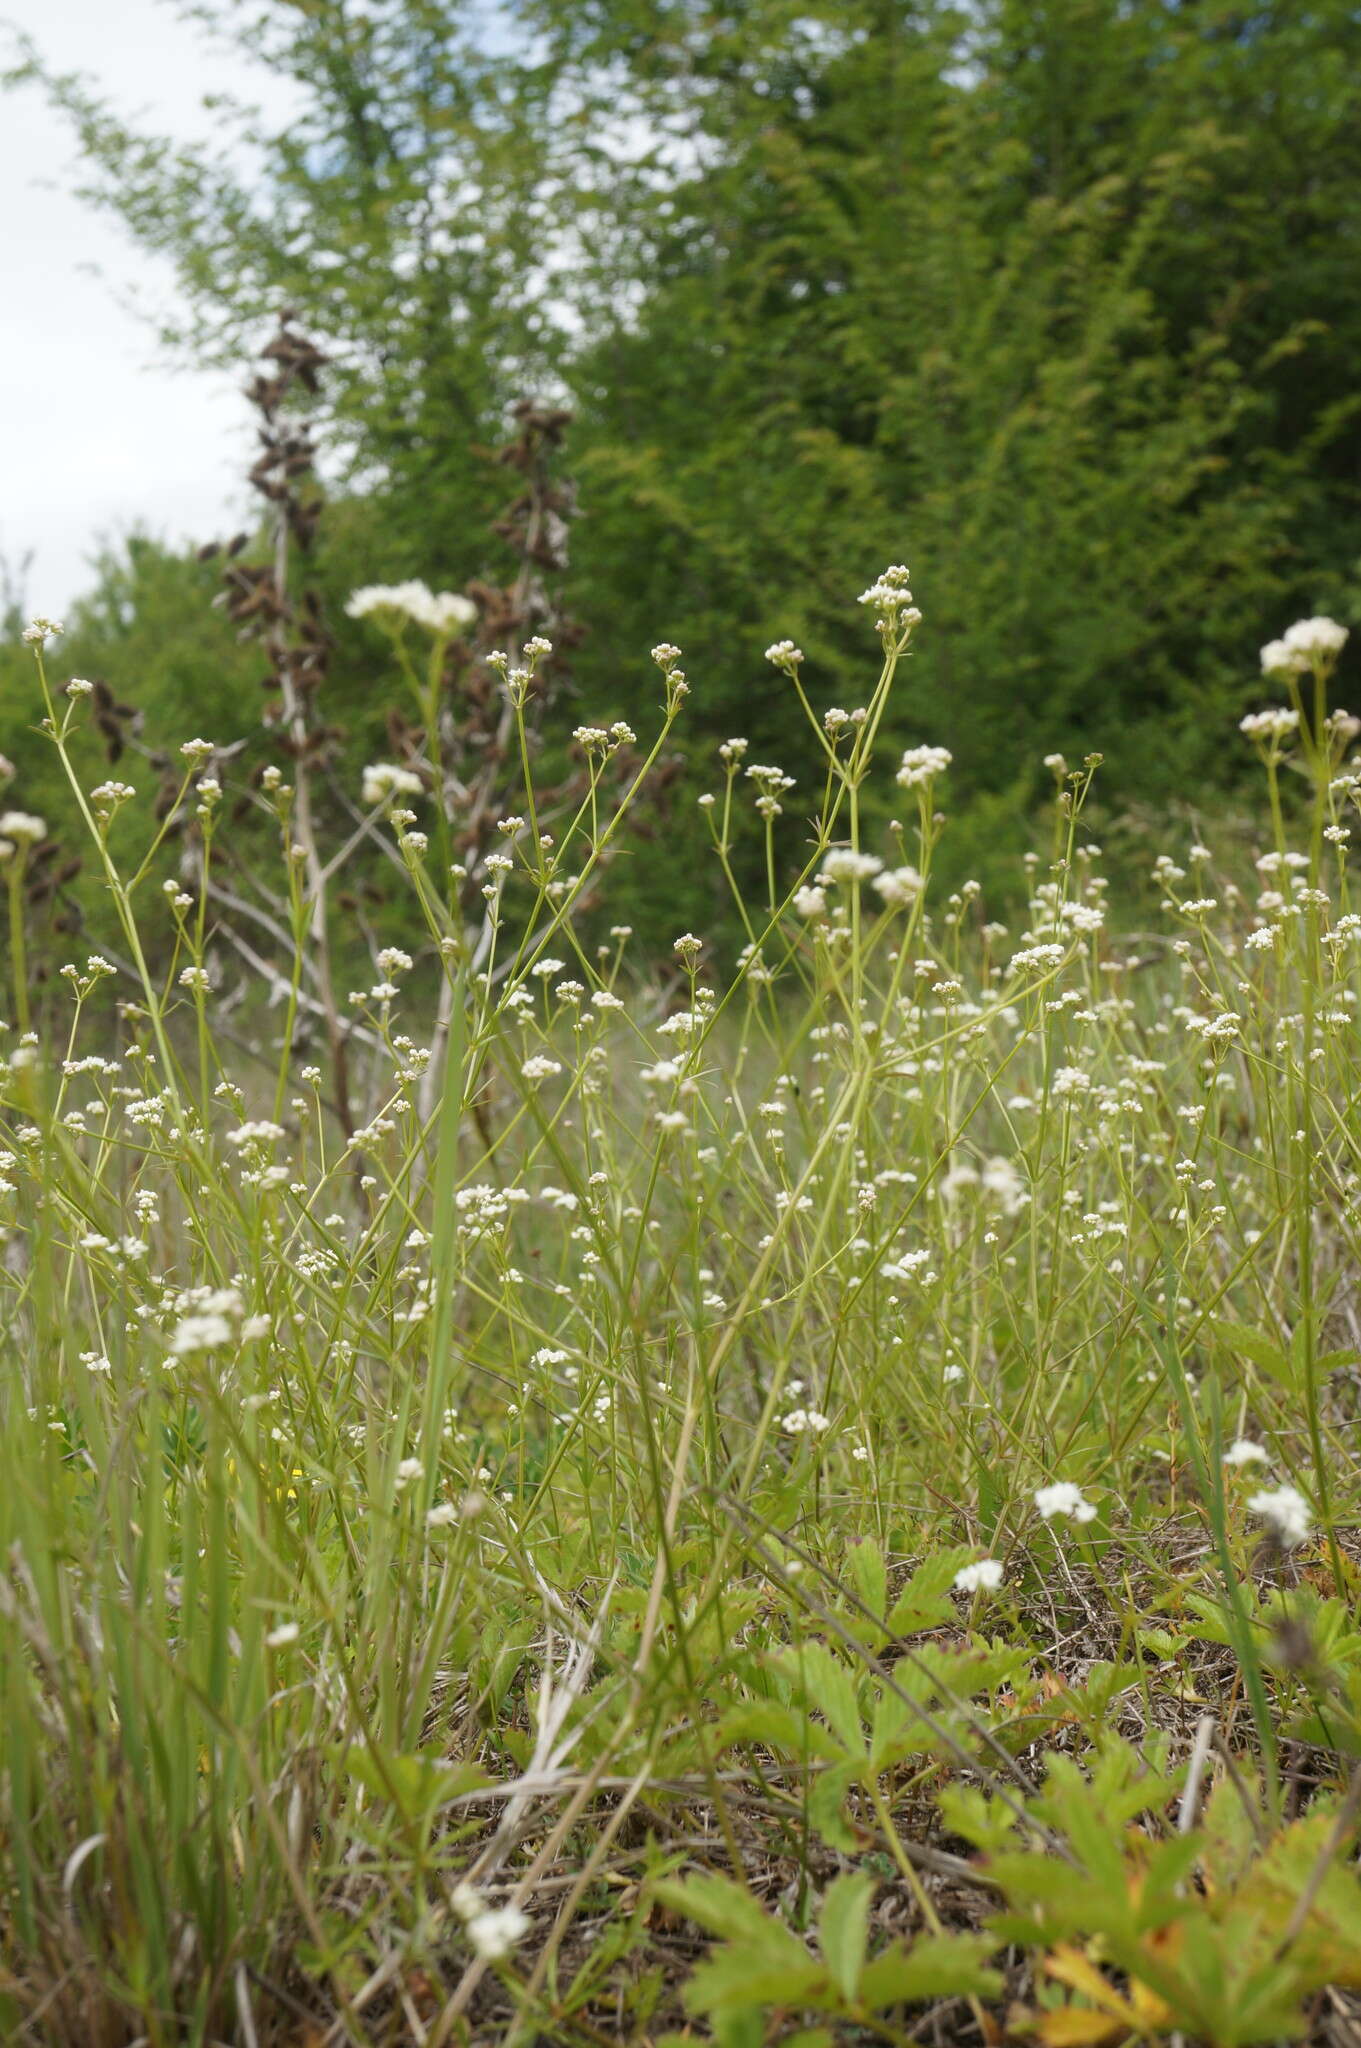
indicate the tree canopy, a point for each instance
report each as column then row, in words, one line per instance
column 1057, row 300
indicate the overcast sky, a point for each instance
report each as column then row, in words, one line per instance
column 100, row 433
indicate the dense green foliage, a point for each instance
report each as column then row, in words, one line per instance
column 1057, row 300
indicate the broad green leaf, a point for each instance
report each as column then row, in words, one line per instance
column 925, row 1600
column 828, row 1689
column 827, row 1803
column 939, row 1966
column 734, row 1977
column 787, row 1730
column 868, row 1574
column 726, row 1910
column 420, row 1783
column 843, row 1929
column 1261, row 1351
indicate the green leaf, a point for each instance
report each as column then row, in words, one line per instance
column 868, row 1574
column 730, row 1912
column 826, row 1687
column 925, row 1600
column 827, row 1802
column 843, row 1929
column 1259, row 1350
column 778, row 1727
column 732, row 1978
column 736, row 2028
column 969, row 1811
column 941, row 1966
column 419, row 1783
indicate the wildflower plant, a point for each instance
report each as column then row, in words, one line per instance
column 698, row 1438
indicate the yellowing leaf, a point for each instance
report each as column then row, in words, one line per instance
column 1074, row 1969
column 1076, row 2026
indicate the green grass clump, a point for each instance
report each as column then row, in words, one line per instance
column 814, row 1504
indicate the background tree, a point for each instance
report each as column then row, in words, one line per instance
column 1054, row 299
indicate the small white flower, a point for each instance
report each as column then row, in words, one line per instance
column 1063, row 1498
column 495, row 1933
column 921, row 765
column 1269, row 725
column 203, row 1332
column 784, row 654
column 1071, row 1081
column 844, row 864
column 892, row 600
column 383, row 781
column 1242, row 1451
column 898, row 886
column 442, row 612
column 985, row 1576
column 22, row 827
column 1301, row 644
column 805, row 1421
column 1287, row 1512
column 278, row 1638
column 1001, row 1180
column 1316, row 636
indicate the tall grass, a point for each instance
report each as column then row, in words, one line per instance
column 853, row 1454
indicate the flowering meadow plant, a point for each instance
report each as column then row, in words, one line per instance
column 735, row 1452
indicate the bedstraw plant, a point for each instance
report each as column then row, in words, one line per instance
column 808, row 1499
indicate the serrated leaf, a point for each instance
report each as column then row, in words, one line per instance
column 733, row 1979
column 868, row 1574
column 789, row 1730
column 725, row 1909
column 1259, row 1350
column 827, row 1688
column 843, row 1929
column 1071, row 1967
column 969, row 1811
column 925, row 1600
column 941, row 1966
column 419, row 1783
column 826, row 1803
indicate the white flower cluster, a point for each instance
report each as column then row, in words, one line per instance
column 383, row 782
column 443, row 612
column 1064, row 1498
column 844, row 864
column 1269, row 725
column 891, row 600
column 805, row 1422
column 493, row 1930
column 897, row 886
column 1287, row 1513
column 1301, row 645
column 921, row 765
column 20, row 828
column 784, row 654
column 211, row 1320
column 983, row 1577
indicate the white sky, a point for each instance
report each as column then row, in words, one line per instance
column 98, row 432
